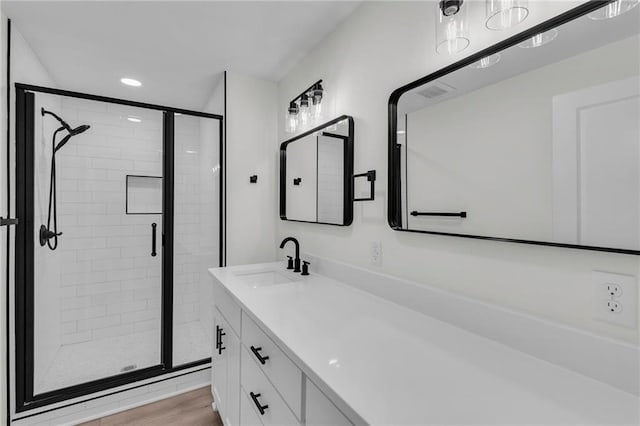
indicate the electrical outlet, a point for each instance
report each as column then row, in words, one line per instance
column 615, row 298
column 614, row 290
column 613, row 306
column 375, row 253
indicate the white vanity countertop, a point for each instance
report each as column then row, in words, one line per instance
column 392, row 365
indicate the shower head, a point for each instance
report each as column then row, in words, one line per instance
column 72, row 133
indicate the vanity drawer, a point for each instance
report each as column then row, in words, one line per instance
column 260, row 391
column 227, row 306
column 282, row 372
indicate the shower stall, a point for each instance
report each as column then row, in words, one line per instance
column 120, row 216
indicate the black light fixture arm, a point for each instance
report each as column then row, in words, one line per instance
column 306, row 91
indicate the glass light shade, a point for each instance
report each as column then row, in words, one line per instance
column 291, row 123
column 486, row 62
column 613, row 9
column 452, row 32
column 316, row 111
column 305, row 111
column 540, row 39
column 503, row 14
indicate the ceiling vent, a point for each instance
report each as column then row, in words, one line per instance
column 435, row 90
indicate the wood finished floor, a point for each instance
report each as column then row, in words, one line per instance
column 191, row 408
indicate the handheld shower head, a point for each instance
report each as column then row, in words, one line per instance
column 72, row 133
column 80, row 129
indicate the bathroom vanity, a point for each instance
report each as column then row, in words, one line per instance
column 292, row 349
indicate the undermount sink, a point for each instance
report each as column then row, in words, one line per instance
column 262, row 278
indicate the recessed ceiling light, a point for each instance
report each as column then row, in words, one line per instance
column 134, row 119
column 130, row 82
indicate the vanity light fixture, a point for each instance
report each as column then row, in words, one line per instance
column 503, row 14
column 486, row 62
column 130, row 82
column 305, row 108
column 613, row 9
column 452, row 29
column 540, row 39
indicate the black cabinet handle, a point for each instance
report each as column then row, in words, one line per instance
column 217, row 337
column 261, row 408
column 153, row 239
column 256, row 352
column 219, row 340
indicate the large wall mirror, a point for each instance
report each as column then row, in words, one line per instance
column 534, row 140
column 316, row 172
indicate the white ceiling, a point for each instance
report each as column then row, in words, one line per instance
column 178, row 49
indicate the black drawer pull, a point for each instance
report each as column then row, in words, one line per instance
column 261, row 408
column 153, row 239
column 219, row 343
column 256, row 352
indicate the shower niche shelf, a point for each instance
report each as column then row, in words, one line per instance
column 144, row 195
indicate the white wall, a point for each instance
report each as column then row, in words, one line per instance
column 382, row 46
column 251, row 136
column 27, row 68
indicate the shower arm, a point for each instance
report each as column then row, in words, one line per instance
column 54, row 115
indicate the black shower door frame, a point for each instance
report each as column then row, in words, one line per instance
column 25, row 399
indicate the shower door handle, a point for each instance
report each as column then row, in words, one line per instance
column 153, row 239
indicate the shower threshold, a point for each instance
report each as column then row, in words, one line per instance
column 96, row 359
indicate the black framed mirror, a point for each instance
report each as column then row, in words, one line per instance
column 534, row 140
column 316, row 174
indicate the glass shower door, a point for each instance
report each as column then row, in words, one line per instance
column 97, row 230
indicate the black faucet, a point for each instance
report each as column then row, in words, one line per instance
column 297, row 260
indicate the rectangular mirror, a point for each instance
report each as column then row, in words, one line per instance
column 316, row 172
column 534, row 140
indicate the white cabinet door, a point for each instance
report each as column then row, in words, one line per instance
column 226, row 371
column 321, row 411
column 231, row 344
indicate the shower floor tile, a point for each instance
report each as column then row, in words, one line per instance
column 83, row 362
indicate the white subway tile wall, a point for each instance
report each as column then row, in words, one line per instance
column 107, row 254
column 103, row 284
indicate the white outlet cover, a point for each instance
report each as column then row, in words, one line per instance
column 628, row 316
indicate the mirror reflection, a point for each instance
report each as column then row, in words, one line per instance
column 315, row 174
column 537, row 142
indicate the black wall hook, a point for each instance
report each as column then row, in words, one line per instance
column 253, row 179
